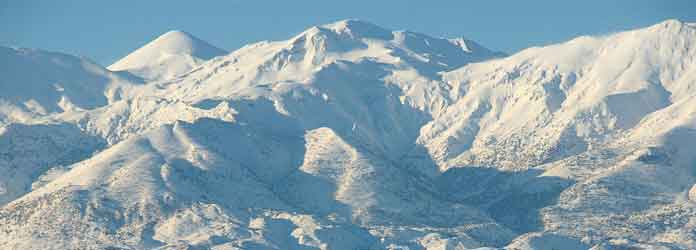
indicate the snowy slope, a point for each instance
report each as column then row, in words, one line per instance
column 352, row 136
column 169, row 55
column 37, row 82
column 547, row 103
column 611, row 114
column 411, row 62
column 32, row 154
column 348, row 88
column 142, row 192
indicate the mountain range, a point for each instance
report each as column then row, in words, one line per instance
column 353, row 136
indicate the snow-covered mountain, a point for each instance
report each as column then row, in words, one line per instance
column 600, row 112
column 169, row 55
column 353, row 136
column 551, row 102
column 37, row 82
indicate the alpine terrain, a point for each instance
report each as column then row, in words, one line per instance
column 350, row 136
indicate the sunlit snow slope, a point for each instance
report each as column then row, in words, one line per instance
column 352, row 136
column 171, row 54
column 37, row 82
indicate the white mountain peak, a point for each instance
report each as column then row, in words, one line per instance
column 359, row 29
column 171, row 54
column 181, row 42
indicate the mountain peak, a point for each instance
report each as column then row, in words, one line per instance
column 671, row 26
column 351, row 23
column 670, row 22
column 177, row 33
column 176, row 37
column 178, row 42
column 359, row 29
column 149, row 60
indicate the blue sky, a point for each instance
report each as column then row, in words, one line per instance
column 108, row 30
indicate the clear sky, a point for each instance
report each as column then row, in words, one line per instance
column 108, row 30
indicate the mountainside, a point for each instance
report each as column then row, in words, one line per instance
column 37, row 83
column 169, row 55
column 353, row 136
column 552, row 102
column 600, row 112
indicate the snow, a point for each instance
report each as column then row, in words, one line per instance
column 353, row 136
column 37, row 82
column 169, row 55
column 538, row 241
